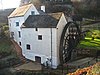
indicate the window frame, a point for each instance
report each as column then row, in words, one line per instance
column 20, row 43
column 36, row 29
column 32, row 12
column 17, row 24
column 40, row 37
column 19, row 34
column 28, row 46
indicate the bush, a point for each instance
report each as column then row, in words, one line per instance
column 96, row 34
column 6, row 72
column 9, row 61
column 5, row 47
column 89, row 34
column 6, row 27
column 93, row 34
column 4, row 52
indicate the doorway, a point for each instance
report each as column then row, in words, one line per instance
column 38, row 59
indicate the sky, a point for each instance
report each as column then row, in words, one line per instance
column 5, row 4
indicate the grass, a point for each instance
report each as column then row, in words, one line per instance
column 88, row 43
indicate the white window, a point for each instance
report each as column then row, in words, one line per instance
column 12, row 35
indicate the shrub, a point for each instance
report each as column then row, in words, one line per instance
column 5, row 47
column 96, row 34
column 88, row 34
column 93, row 34
column 6, row 72
column 6, row 27
column 9, row 61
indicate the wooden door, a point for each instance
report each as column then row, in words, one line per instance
column 38, row 59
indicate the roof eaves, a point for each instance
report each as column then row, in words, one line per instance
column 39, row 27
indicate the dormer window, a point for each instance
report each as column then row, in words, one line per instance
column 32, row 13
column 17, row 23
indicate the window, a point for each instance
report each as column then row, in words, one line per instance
column 19, row 34
column 17, row 23
column 20, row 43
column 36, row 29
column 12, row 35
column 28, row 47
column 10, row 24
column 38, row 59
column 32, row 13
column 39, row 37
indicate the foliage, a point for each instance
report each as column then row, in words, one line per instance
column 91, row 41
column 5, row 47
column 92, row 70
column 96, row 34
column 93, row 33
column 88, row 8
column 9, row 61
column 89, row 34
column 4, row 31
column 4, row 14
column 5, row 72
column 5, row 27
column 88, row 43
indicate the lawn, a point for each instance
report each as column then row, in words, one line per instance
column 88, row 43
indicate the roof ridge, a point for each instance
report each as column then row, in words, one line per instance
column 27, row 4
column 40, row 21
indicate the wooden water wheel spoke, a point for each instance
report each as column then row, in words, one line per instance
column 69, row 40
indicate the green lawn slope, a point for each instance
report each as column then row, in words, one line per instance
column 88, row 43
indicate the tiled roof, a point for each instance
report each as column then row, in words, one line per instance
column 20, row 11
column 56, row 15
column 42, row 21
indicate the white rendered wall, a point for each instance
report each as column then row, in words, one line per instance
column 60, row 27
column 21, row 20
column 14, row 28
column 41, row 48
column 32, row 8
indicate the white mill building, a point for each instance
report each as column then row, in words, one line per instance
column 37, row 34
